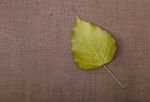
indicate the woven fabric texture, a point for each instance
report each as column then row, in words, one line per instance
column 36, row 64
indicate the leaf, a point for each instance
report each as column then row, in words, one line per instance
column 92, row 46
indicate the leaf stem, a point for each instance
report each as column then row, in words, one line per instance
column 116, row 79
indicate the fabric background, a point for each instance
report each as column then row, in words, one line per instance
column 36, row 64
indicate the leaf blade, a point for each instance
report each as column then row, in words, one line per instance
column 98, row 44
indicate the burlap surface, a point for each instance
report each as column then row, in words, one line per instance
column 35, row 51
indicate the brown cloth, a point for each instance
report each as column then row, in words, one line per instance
column 36, row 64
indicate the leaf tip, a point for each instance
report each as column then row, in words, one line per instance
column 76, row 14
column 77, row 17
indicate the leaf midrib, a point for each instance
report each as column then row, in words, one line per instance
column 94, row 51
